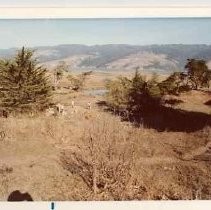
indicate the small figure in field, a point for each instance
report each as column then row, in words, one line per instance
column 89, row 105
column 73, row 104
column 74, row 110
column 60, row 108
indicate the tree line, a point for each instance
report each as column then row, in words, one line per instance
column 25, row 85
column 141, row 95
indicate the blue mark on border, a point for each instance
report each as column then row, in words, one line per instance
column 52, row 206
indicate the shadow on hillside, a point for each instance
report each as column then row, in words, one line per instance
column 164, row 118
column 208, row 103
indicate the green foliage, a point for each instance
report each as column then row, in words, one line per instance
column 197, row 76
column 175, row 84
column 24, row 85
column 118, row 93
column 144, row 94
column 135, row 95
column 140, row 96
column 198, row 73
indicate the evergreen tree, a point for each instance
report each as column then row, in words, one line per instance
column 137, row 93
column 144, row 95
column 24, row 85
column 117, row 96
column 137, row 96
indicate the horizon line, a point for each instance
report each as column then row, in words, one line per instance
column 92, row 45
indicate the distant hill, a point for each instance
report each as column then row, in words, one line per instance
column 160, row 58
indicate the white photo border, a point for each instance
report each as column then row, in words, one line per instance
column 106, row 12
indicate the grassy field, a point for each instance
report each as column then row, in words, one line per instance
column 90, row 154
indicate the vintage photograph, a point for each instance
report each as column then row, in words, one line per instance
column 105, row 109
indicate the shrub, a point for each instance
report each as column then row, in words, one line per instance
column 118, row 93
column 198, row 73
column 175, row 84
column 135, row 96
column 105, row 161
column 78, row 82
column 143, row 94
column 59, row 72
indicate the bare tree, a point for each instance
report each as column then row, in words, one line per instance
column 106, row 165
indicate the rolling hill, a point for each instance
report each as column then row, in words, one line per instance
column 159, row 58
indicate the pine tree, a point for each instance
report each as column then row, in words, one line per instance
column 144, row 94
column 137, row 93
column 118, row 90
column 24, row 85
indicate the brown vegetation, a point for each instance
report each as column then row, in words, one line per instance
column 91, row 154
column 101, row 158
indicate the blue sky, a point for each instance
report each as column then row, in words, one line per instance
column 99, row 2
column 30, row 33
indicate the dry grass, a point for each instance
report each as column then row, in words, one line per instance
column 195, row 101
column 118, row 162
column 95, row 156
column 92, row 155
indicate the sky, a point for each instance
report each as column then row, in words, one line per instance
column 51, row 32
column 91, row 3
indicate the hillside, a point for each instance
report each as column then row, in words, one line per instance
column 51, row 157
column 159, row 58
